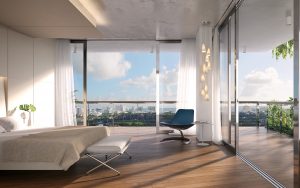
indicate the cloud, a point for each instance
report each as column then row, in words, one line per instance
column 265, row 85
column 145, row 82
column 103, row 66
column 106, row 66
column 168, row 83
column 168, row 80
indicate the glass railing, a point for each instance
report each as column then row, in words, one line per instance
column 124, row 113
column 274, row 115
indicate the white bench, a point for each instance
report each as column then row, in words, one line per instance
column 112, row 146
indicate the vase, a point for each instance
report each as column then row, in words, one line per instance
column 26, row 116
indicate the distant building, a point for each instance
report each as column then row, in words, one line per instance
column 79, row 111
column 119, row 108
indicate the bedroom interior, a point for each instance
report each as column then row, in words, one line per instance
column 102, row 77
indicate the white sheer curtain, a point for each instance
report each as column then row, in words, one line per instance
column 216, row 119
column 186, row 89
column 64, row 86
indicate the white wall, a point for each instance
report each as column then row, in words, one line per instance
column 30, row 74
column 44, row 90
column 3, row 52
column 20, row 69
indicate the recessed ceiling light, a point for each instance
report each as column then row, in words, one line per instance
column 205, row 22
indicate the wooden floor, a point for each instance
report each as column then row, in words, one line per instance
column 154, row 164
column 271, row 151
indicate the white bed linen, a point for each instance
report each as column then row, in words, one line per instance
column 37, row 165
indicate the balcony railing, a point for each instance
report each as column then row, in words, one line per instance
column 275, row 115
column 271, row 114
column 125, row 113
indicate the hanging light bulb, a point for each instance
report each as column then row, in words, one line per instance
column 205, row 88
column 206, row 58
column 204, row 70
column 208, row 65
column 203, row 77
column 208, row 52
column 206, row 97
column 202, row 92
column 203, row 48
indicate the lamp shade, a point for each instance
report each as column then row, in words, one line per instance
column 208, row 52
column 203, row 48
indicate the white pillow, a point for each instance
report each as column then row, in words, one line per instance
column 8, row 123
column 2, row 130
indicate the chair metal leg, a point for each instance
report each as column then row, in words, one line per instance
column 103, row 163
column 184, row 139
column 181, row 138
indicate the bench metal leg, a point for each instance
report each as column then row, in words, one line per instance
column 103, row 163
column 130, row 157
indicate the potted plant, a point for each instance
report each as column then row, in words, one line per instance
column 26, row 114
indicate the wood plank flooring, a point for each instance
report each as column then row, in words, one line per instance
column 271, row 151
column 154, row 164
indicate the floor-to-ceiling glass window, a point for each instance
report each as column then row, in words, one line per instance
column 168, row 73
column 224, row 83
column 232, row 79
column 266, row 86
column 128, row 82
column 121, row 83
column 228, row 80
column 77, row 60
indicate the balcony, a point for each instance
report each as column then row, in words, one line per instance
column 265, row 137
column 273, row 115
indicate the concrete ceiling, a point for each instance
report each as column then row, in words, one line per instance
column 124, row 19
column 263, row 24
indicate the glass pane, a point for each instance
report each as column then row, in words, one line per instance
column 232, row 80
column 265, row 86
column 121, row 81
column 224, row 83
column 77, row 60
column 169, row 64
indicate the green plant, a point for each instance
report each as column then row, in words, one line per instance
column 284, row 50
column 280, row 119
column 27, row 107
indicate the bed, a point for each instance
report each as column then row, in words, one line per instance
column 47, row 149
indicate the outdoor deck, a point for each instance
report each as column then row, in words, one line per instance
column 154, row 164
column 271, row 151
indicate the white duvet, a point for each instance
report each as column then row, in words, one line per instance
column 47, row 149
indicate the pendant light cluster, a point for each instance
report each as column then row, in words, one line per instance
column 205, row 68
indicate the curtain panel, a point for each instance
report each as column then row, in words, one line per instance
column 64, row 86
column 186, row 89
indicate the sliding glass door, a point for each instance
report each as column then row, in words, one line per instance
column 266, row 55
column 228, row 81
column 224, row 83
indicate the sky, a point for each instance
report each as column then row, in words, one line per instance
column 127, row 76
column 262, row 77
column 132, row 75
